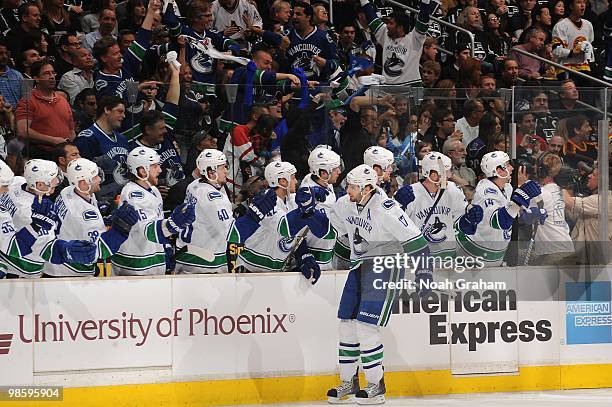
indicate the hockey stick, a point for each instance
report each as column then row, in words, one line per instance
column 296, row 243
column 540, row 205
column 443, row 182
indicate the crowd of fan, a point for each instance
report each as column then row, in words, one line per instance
column 69, row 68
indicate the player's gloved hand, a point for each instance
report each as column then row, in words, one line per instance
column 533, row 215
column 523, row 194
column 423, row 279
column 79, row 251
column 306, row 198
column 310, row 268
column 262, row 205
column 42, row 214
column 181, row 216
column 470, row 220
column 404, row 196
column 124, row 218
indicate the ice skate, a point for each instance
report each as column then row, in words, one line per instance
column 374, row 393
column 345, row 392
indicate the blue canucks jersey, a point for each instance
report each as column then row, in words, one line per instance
column 302, row 50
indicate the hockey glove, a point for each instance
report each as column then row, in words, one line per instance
column 181, row 216
column 523, row 194
column 533, row 215
column 306, row 198
column 124, row 218
column 262, row 205
column 78, row 251
column 42, row 214
column 471, row 219
column 404, row 196
column 310, row 268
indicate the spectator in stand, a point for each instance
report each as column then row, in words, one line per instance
column 530, row 68
column 281, row 15
column 9, row 15
column 108, row 23
column 488, row 84
column 30, row 17
column 555, row 145
column 585, row 212
column 430, row 73
column 67, row 44
column 461, row 174
column 557, row 11
column 499, row 41
column 573, row 38
column 528, row 142
column 567, row 103
column 261, row 137
column 135, row 12
column 578, row 147
column 320, row 17
column 444, row 122
column 57, row 20
column 7, row 127
column 543, row 21
column 451, row 71
column 234, row 17
column 430, row 50
column 239, row 150
column 473, row 110
column 509, row 74
column 44, row 119
column 523, row 19
column 489, row 128
column 348, row 48
column 81, row 76
column 359, row 131
column 125, row 39
column 470, row 19
column 545, row 122
column 84, row 111
column 24, row 63
column 91, row 21
column 10, row 79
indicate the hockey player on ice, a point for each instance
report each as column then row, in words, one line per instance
column 324, row 167
column 80, row 219
column 27, row 240
column 143, row 252
column 368, row 216
column 401, row 49
column 500, row 205
column 434, row 208
column 273, row 239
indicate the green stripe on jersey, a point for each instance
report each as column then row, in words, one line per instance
column 416, row 244
column 474, row 249
column 322, row 256
column 23, row 265
column 191, row 260
column 139, row 263
column 261, row 260
column 341, row 251
column 375, row 25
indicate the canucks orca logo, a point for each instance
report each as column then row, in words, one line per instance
column 285, row 244
column 393, row 66
column 434, row 233
column 360, row 245
column 304, row 61
column 201, row 63
column 90, row 215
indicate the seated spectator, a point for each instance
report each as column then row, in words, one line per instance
column 555, row 144
column 430, row 50
column 461, row 174
column 91, row 21
column 10, row 79
column 261, row 135
column 57, row 20
column 489, row 128
column 468, row 125
column 521, row 20
column 125, row 39
column 84, row 109
column 567, row 103
column 545, row 122
column 108, row 21
column 530, row 68
column 488, row 84
column 528, row 142
column 445, row 129
column 44, row 119
column 578, row 147
column 470, row 19
column 9, row 15
column 25, row 60
column 67, row 44
column 81, row 76
column 7, row 126
column 499, row 41
column 430, row 73
column 234, row 17
column 29, row 17
column 509, row 76
column 62, row 155
column 462, row 53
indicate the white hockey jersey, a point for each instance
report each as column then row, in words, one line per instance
column 243, row 9
column 490, row 241
column 401, row 55
column 321, row 249
column 78, row 220
column 209, row 230
column 380, row 228
column 16, row 213
column 267, row 249
column 143, row 252
column 439, row 231
column 565, row 36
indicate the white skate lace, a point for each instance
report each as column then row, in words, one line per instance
column 345, row 387
column 371, row 389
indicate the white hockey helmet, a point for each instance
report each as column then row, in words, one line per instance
column 362, row 175
column 277, row 170
column 491, row 161
column 323, row 158
column 44, row 171
column 143, row 157
column 380, row 156
column 210, row 159
column 6, row 175
column 431, row 162
column 82, row 169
